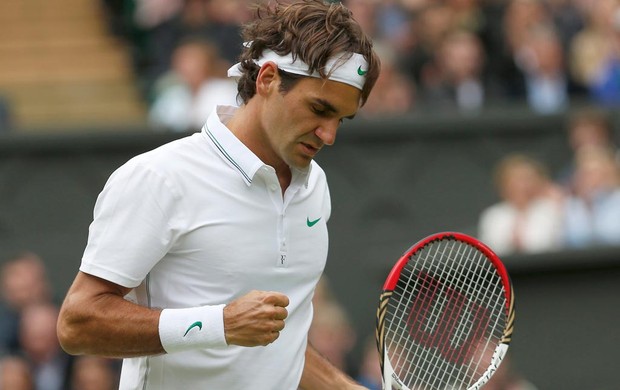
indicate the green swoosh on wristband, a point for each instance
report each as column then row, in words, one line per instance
column 194, row 325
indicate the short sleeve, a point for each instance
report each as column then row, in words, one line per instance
column 136, row 221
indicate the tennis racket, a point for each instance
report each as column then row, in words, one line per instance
column 445, row 316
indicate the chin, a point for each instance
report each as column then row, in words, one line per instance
column 300, row 163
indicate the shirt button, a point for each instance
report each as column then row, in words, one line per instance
column 273, row 187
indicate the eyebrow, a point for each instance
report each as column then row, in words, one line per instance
column 330, row 107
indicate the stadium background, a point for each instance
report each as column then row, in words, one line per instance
column 393, row 181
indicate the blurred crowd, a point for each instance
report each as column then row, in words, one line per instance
column 30, row 355
column 457, row 55
column 577, row 207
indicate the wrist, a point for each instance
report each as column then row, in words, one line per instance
column 192, row 328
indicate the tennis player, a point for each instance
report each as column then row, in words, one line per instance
column 203, row 255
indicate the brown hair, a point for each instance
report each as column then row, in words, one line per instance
column 310, row 30
column 594, row 116
column 517, row 160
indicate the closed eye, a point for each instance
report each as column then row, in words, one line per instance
column 320, row 111
column 324, row 109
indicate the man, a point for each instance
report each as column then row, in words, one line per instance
column 225, row 230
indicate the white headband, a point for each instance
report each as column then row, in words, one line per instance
column 351, row 71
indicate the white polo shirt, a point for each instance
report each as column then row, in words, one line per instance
column 202, row 221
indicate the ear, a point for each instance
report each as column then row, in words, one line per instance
column 268, row 79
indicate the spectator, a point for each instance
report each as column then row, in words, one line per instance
column 323, row 293
column 519, row 18
column 394, row 93
column 219, row 22
column 548, row 84
column 370, row 374
column 586, row 127
column 365, row 13
column 594, row 52
column 567, row 18
column 37, row 334
column 23, row 282
column 156, row 27
column 592, row 212
column 458, row 80
column 392, row 23
column 15, row 374
column 331, row 332
column 94, row 373
column 332, row 335
column 197, row 82
column 606, row 88
column 528, row 217
column 468, row 15
column 428, row 29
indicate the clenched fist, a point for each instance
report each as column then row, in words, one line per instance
column 255, row 318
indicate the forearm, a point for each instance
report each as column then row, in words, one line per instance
column 105, row 324
column 319, row 373
column 95, row 319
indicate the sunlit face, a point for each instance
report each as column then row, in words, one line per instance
column 521, row 184
column 298, row 123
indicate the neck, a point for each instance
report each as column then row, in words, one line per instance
column 246, row 126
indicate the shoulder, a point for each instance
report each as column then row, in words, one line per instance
column 167, row 161
column 613, row 199
column 497, row 210
column 172, row 155
column 544, row 204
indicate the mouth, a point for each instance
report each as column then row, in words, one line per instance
column 309, row 150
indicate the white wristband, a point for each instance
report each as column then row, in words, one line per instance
column 192, row 328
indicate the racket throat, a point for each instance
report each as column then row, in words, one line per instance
column 390, row 379
column 498, row 356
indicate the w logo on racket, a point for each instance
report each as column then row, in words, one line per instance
column 444, row 319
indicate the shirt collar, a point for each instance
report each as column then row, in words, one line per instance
column 235, row 152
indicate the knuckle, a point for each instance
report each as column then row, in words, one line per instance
column 269, row 338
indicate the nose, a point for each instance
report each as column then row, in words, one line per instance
column 327, row 132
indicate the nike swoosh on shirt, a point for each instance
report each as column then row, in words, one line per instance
column 312, row 223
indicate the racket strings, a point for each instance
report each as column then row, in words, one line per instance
column 437, row 356
column 442, row 340
column 450, row 315
column 461, row 332
column 436, row 318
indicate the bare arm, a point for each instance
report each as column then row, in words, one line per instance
column 319, row 373
column 95, row 319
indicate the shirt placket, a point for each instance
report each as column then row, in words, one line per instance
column 275, row 193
